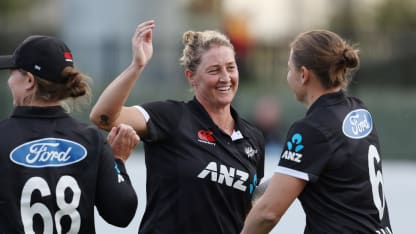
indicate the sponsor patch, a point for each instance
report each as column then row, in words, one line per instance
column 206, row 136
column 48, row 152
column 357, row 124
column 294, row 147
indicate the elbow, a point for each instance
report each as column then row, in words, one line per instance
column 129, row 212
column 269, row 217
column 101, row 121
column 94, row 118
column 128, row 216
column 122, row 214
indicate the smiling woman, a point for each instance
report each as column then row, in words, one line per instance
column 201, row 145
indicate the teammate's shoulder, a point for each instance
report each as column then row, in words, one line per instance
column 354, row 100
column 163, row 104
column 305, row 124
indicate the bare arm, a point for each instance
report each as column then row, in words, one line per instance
column 109, row 111
column 281, row 191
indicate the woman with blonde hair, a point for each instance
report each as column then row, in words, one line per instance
column 203, row 160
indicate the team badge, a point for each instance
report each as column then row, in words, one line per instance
column 206, row 136
column 250, row 152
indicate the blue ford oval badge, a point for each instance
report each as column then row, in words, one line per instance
column 357, row 124
column 48, row 152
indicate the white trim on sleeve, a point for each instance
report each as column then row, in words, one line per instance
column 291, row 172
column 144, row 112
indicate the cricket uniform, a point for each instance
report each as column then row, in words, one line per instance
column 335, row 148
column 53, row 170
column 199, row 179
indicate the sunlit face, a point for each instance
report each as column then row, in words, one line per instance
column 215, row 81
column 294, row 79
column 17, row 84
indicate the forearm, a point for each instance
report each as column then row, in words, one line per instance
column 259, row 191
column 259, row 222
column 111, row 101
column 116, row 198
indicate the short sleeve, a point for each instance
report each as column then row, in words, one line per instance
column 162, row 119
column 305, row 154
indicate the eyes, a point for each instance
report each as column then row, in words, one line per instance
column 214, row 70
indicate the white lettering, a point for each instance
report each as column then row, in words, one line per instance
column 211, row 168
column 40, row 152
column 358, row 126
column 239, row 183
column 226, row 175
column 385, row 230
column 292, row 156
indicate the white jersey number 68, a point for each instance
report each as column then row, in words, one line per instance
column 66, row 208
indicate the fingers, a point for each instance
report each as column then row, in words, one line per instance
column 112, row 134
column 123, row 141
column 128, row 134
column 142, row 44
column 144, row 31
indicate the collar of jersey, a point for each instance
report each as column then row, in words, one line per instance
column 328, row 99
column 39, row 112
column 211, row 125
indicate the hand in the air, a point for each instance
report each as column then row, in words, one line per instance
column 142, row 43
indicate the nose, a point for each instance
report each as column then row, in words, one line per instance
column 224, row 76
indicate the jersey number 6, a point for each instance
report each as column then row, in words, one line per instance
column 29, row 210
column 376, row 179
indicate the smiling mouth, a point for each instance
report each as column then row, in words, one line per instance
column 224, row 88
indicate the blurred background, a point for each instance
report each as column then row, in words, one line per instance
column 99, row 34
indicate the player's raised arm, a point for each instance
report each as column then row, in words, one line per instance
column 109, row 111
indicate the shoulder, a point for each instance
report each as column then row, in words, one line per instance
column 306, row 130
column 166, row 103
column 87, row 130
column 159, row 107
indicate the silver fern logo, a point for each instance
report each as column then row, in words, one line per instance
column 250, row 151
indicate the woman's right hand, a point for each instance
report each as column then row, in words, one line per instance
column 142, row 44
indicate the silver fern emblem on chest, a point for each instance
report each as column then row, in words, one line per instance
column 250, row 151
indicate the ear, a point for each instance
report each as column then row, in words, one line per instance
column 190, row 77
column 305, row 74
column 30, row 83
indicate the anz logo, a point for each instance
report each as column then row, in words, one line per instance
column 48, row 152
column 228, row 176
column 357, row 124
column 294, row 146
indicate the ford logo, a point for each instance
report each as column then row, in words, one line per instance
column 357, row 124
column 48, row 152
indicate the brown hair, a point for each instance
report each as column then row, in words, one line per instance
column 196, row 43
column 77, row 85
column 330, row 57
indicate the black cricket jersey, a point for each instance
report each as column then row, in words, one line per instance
column 199, row 179
column 53, row 170
column 336, row 149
